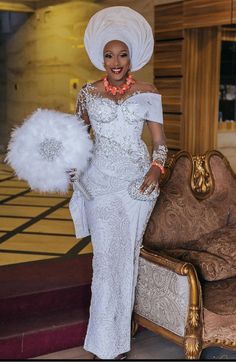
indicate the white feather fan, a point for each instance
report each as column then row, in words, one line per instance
column 46, row 145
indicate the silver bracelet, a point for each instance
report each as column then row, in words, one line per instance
column 160, row 154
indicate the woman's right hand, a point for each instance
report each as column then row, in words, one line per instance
column 151, row 180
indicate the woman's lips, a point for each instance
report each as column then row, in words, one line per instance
column 116, row 70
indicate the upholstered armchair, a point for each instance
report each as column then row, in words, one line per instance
column 186, row 287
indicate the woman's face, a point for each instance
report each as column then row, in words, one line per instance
column 116, row 60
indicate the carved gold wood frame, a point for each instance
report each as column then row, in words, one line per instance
column 192, row 341
column 201, row 178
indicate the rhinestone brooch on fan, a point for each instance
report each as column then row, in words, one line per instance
column 120, row 89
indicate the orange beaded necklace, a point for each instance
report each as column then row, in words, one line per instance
column 120, row 89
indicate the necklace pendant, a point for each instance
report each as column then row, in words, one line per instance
column 114, row 91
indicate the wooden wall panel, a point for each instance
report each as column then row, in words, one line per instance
column 170, row 89
column 187, row 70
column 234, row 11
column 228, row 34
column 169, row 17
column 164, row 2
column 169, row 35
column 201, row 89
column 172, row 126
column 169, row 40
column 206, row 13
column 168, row 58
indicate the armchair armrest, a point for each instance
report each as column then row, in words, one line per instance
column 181, row 268
column 168, row 299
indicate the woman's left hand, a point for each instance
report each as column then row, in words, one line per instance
column 151, row 180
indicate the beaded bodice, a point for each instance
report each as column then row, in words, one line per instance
column 117, row 126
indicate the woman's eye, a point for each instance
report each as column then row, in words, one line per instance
column 124, row 55
column 108, row 55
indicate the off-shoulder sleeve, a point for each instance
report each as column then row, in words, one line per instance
column 154, row 108
column 149, row 106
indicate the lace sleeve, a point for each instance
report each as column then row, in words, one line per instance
column 81, row 109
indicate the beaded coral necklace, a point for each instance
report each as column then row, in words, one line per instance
column 118, row 89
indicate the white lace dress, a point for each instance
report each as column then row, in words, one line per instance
column 115, row 217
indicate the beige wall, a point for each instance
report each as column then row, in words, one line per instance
column 45, row 59
column 226, row 143
column 42, row 58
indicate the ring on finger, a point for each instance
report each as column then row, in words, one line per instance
column 154, row 185
column 150, row 187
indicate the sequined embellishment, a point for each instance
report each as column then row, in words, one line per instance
column 111, row 155
column 160, row 154
column 134, row 192
column 50, row 149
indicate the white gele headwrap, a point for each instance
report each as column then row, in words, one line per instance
column 119, row 23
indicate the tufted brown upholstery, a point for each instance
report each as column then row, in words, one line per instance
column 179, row 217
column 213, row 255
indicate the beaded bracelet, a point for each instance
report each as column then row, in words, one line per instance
column 161, row 167
column 159, row 156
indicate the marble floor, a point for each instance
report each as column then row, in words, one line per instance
column 145, row 345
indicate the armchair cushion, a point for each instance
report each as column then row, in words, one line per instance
column 213, row 255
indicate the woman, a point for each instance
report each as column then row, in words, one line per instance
column 120, row 179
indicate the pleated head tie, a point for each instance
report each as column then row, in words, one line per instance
column 119, row 23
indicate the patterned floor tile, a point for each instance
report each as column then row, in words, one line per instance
column 42, row 201
column 7, row 224
column 47, row 226
column 19, row 211
column 39, row 243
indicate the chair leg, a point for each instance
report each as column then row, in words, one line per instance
column 192, row 347
column 134, row 327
